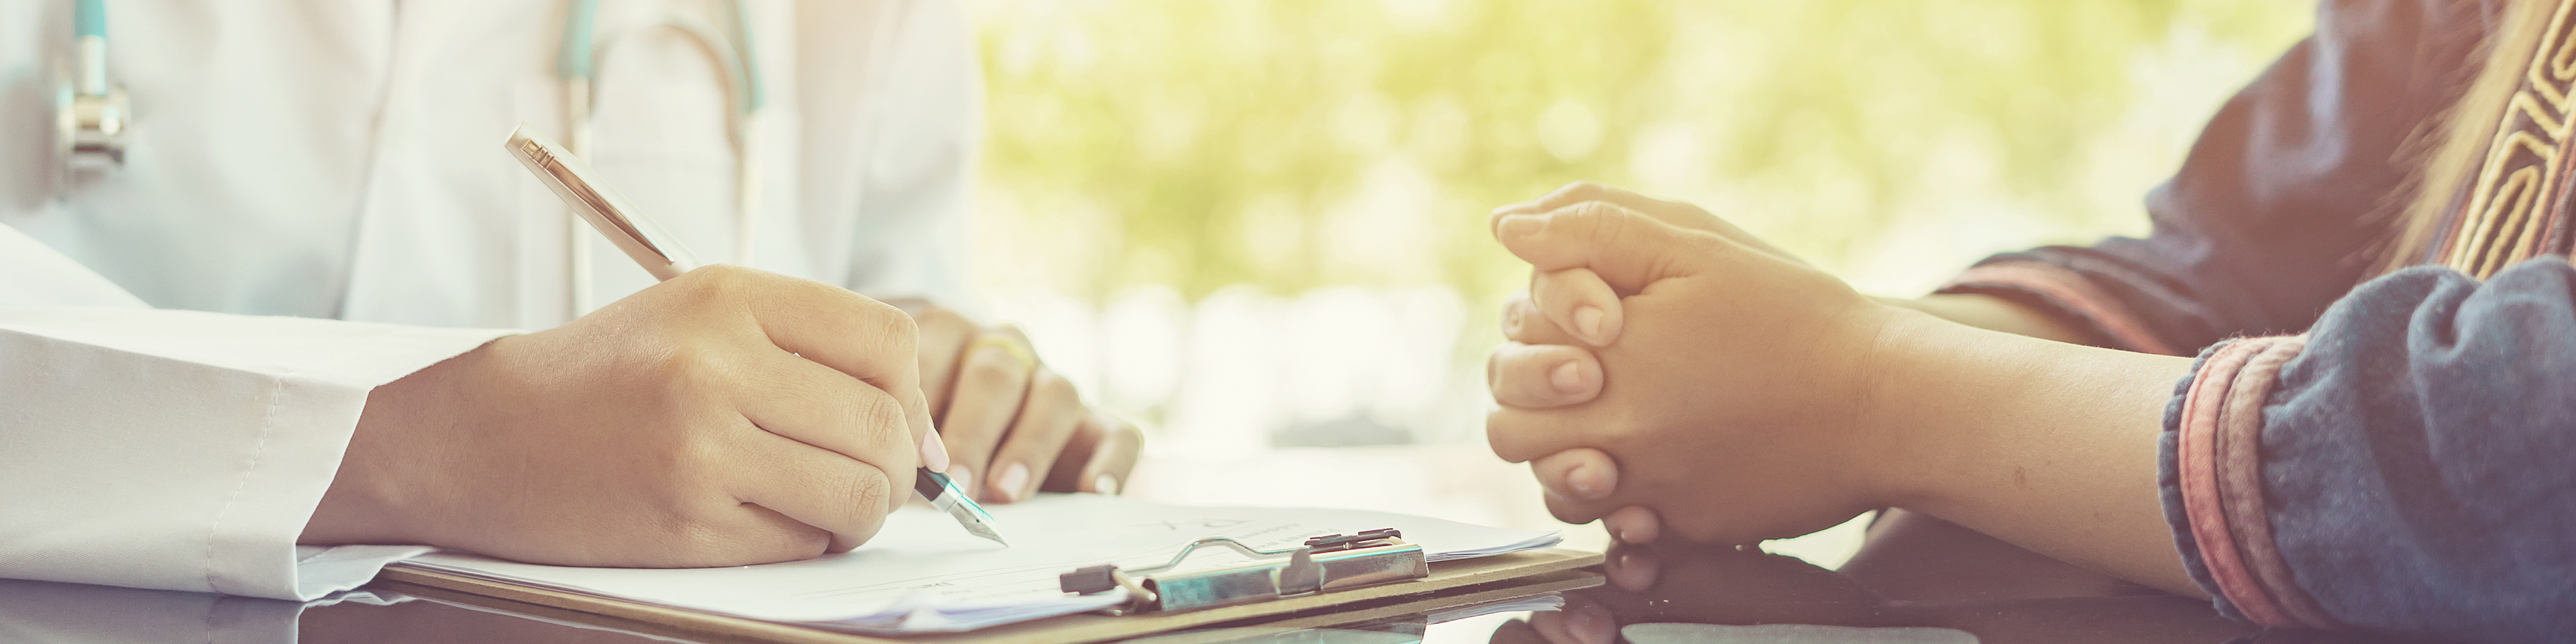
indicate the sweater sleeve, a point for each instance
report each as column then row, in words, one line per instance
column 2273, row 214
column 2403, row 467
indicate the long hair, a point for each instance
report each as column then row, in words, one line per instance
column 2467, row 174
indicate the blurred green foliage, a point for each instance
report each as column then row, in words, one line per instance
column 1293, row 143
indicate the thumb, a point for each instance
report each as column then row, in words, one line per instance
column 1626, row 248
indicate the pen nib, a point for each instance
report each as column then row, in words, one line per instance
column 947, row 497
column 975, row 521
column 986, row 531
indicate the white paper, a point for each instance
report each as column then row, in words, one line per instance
column 923, row 573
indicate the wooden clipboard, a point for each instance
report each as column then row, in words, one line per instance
column 1451, row 583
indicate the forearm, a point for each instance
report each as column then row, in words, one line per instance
column 2048, row 445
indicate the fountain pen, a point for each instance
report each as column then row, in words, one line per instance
column 665, row 258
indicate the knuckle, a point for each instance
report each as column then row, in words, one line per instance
column 693, row 463
column 718, row 279
column 1609, row 216
column 728, row 272
column 869, row 490
column 1131, row 437
column 848, row 483
column 687, row 371
column 879, row 314
column 990, row 369
column 1499, row 436
column 879, row 413
column 1049, row 385
column 1593, row 209
column 1510, row 376
column 900, row 330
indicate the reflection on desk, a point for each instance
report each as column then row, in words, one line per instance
column 1689, row 585
column 1668, row 584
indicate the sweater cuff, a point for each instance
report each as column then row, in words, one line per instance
column 2065, row 291
column 2213, row 485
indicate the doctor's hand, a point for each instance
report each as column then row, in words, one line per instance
column 726, row 417
column 1723, row 406
column 1013, row 426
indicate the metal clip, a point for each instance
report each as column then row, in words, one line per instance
column 1321, row 564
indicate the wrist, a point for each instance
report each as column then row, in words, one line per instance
column 1909, row 401
column 383, row 491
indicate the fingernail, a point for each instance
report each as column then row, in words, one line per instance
column 1587, row 321
column 1106, row 484
column 1589, row 481
column 1011, row 483
column 1635, row 571
column 934, row 452
column 1522, row 225
column 1633, row 525
column 1588, row 625
column 1567, row 377
column 1510, row 207
column 965, row 479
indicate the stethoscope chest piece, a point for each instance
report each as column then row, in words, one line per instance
column 90, row 114
column 89, row 128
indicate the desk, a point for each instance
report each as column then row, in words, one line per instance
column 1699, row 585
column 1459, row 482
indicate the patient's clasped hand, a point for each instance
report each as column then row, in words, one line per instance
column 1669, row 372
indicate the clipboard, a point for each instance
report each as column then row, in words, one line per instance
column 1497, row 577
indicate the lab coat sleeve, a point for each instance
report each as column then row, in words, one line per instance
column 180, row 450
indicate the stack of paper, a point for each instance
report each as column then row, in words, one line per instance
column 924, row 574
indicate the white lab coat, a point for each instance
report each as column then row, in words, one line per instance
column 315, row 202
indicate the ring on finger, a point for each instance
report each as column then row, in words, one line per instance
column 1020, row 354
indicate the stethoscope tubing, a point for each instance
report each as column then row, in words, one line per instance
column 91, row 112
column 578, row 64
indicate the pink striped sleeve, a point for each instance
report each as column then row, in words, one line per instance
column 2070, row 292
column 2240, row 484
column 2195, row 461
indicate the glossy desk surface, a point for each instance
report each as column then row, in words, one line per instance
column 1667, row 584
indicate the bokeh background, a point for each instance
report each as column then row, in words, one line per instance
column 1258, row 226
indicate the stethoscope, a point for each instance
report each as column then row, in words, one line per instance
column 91, row 115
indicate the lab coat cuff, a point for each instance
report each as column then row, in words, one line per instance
column 320, row 571
column 312, row 420
column 184, row 450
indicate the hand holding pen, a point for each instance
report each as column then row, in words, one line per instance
column 668, row 260
column 726, row 417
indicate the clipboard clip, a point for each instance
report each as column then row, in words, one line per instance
column 1322, row 564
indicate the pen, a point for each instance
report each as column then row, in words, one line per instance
column 665, row 258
